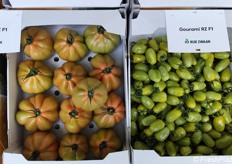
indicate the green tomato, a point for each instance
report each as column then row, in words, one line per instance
column 147, row 90
column 154, row 75
column 161, row 55
column 206, row 127
column 225, row 75
column 194, row 117
column 160, row 86
column 159, row 107
column 166, row 65
column 174, row 62
column 173, row 115
column 216, row 86
column 196, row 137
column 214, row 134
column 173, row 76
column 141, row 67
column 187, row 59
column 222, row 64
column 162, row 135
column 197, row 86
column 186, row 141
column 210, row 60
column 138, row 145
column 223, row 141
column 185, row 150
column 163, row 46
column 228, row 99
column 157, row 125
column 205, row 150
column 180, row 121
column 178, row 134
column 219, row 123
column 199, row 96
column 213, row 96
column 172, row 100
column 190, row 102
column 159, row 97
column 208, row 140
column 146, row 121
column 209, row 73
column 138, row 58
column 134, row 114
column 140, row 75
column 134, row 130
column 151, row 56
column 184, row 73
column 142, row 41
column 189, row 126
column 153, row 44
column 164, row 73
column 176, row 91
column 139, row 48
column 147, row 102
column 170, row 148
column 221, row 55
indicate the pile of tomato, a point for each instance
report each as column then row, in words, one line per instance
column 181, row 103
column 88, row 95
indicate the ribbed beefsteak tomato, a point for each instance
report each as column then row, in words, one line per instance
column 70, row 45
column 40, row 146
column 37, row 112
column 111, row 113
column 37, row 43
column 74, row 118
column 105, row 70
column 34, row 76
column 103, row 142
column 99, row 40
column 66, row 77
column 73, row 147
column 89, row 94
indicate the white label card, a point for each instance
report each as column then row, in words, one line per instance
column 10, row 31
column 197, row 31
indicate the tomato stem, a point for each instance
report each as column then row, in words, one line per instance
column 37, row 112
column 29, row 40
column 75, row 147
column 90, row 94
column 110, row 110
column 33, row 72
column 107, row 70
column 69, row 39
column 68, row 76
column 103, row 145
column 100, row 29
column 73, row 113
column 34, row 155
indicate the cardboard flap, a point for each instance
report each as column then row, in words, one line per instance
column 64, row 3
column 147, row 22
column 185, row 3
column 111, row 20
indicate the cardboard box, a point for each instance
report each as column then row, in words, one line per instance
column 148, row 4
column 151, row 23
column 52, row 20
column 65, row 4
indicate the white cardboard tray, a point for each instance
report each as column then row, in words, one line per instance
column 53, row 21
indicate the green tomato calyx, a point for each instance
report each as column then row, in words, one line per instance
column 74, row 147
column 32, row 72
column 90, row 94
column 37, row 112
column 29, row 40
column 103, row 145
column 69, row 39
column 107, row 70
column 68, row 76
column 100, row 30
column 34, row 155
column 73, row 113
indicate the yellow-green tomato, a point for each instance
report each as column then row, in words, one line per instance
column 225, row 75
column 147, row 102
column 213, row 96
column 159, row 107
column 221, row 65
column 146, row 121
column 160, row 86
column 221, row 55
column 208, row 140
column 140, row 75
column 139, row 48
column 174, row 62
column 141, row 67
column 140, row 145
column 176, row 91
column 224, row 141
column 161, row 55
column 170, row 148
column 154, row 75
column 184, row 73
column 174, row 77
column 159, row 96
column 150, row 56
column 190, row 102
column 209, row 73
column 178, row 134
column 157, row 125
column 205, row 150
column 185, row 150
column 138, row 58
column 147, row 90
column 162, row 135
column 134, row 130
column 173, row 115
column 187, row 59
column 172, row 100
column 153, row 44
column 216, row 86
column 219, row 123
column 196, row 137
column 164, row 73
column 199, row 96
